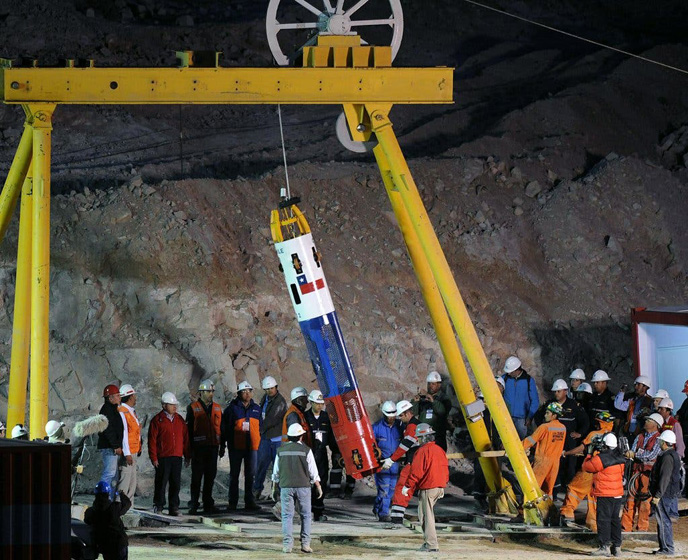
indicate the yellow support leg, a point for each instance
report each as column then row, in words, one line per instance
column 19, row 365
column 505, row 501
column 537, row 507
column 15, row 179
column 41, row 122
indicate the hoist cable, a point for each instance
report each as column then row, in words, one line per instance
column 284, row 150
column 644, row 58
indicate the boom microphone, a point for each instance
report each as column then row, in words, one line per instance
column 93, row 425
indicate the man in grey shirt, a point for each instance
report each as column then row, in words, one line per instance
column 295, row 470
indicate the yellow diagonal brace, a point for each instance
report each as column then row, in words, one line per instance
column 15, row 179
column 41, row 123
column 506, row 501
column 21, row 325
column 536, row 506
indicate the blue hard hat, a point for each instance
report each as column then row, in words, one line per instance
column 103, row 488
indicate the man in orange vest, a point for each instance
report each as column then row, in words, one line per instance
column 204, row 419
column 637, row 405
column 644, row 454
column 549, row 437
column 581, row 485
column 131, row 442
column 296, row 414
column 241, row 434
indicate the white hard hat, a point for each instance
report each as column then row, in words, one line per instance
column 169, row 398
column 206, row 385
column 244, row 386
column 19, row 431
column 295, row 430
column 644, row 380
column 512, row 364
column 424, row 430
column 559, row 385
column 657, row 418
column 500, row 381
column 125, row 390
column 389, row 408
column 297, row 392
column 433, row 377
column 52, row 427
column 661, row 394
column 610, row 441
column 403, row 406
column 666, row 403
column 577, row 374
column 268, row 382
column 668, row 436
column 585, row 387
column 316, row 397
column 600, row 375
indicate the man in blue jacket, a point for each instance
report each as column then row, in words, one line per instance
column 388, row 431
column 520, row 395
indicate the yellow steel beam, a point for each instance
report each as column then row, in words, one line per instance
column 15, row 179
column 504, row 499
column 536, row 506
column 226, row 85
column 41, row 123
column 19, row 365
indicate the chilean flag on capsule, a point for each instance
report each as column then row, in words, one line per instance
column 308, row 287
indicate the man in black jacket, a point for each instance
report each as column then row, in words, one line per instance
column 602, row 399
column 664, row 488
column 105, row 516
column 323, row 437
column 110, row 439
column 273, row 406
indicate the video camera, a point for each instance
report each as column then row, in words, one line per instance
column 597, row 444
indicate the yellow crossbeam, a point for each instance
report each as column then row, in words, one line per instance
column 226, row 85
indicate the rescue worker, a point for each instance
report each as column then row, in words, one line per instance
column 110, row 439
column 296, row 414
column 607, row 471
column 55, row 432
column 241, row 435
column 20, row 432
column 682, row 417
column 602, row 399
column 168, row 442
column 659, row 395
column 576, row 377
column 549, row 438
column 388, row 431
column 664, row 409
column 580, row 487
column 520, row 395
column 402, row 455
column 323, row 439
column 582, row 396
column 577, row 425
column 204, row 423
column 272, row 407
column 429, row 474
column 295, row 471
column 636, row 515
column 432, row 407
column 105, row 518
column 664, row 489
column 131, row 442
column 637, row 404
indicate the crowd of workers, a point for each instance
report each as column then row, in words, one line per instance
column 587, row 444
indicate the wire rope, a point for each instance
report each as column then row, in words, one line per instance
column 284, row 150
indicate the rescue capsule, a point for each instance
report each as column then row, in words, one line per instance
column 302, row 267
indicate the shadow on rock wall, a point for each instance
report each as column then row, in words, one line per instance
column 589, row 346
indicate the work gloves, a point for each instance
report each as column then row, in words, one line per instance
column 387, row 464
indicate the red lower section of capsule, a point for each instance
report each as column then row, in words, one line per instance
column 354, row 434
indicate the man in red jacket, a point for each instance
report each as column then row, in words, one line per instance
column 168, row 442
column 429, row 474
column 607, row 465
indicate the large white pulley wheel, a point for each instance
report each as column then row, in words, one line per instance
column 344, row 137
column 294, row 24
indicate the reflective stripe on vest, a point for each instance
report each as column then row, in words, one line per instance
column 133, row 428
column 206, row 428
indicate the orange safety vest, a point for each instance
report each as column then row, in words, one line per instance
column 302, row 421
column 206, row 429
column 646, row 446
column 133, row 429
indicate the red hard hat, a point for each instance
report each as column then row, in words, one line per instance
column 110, row 390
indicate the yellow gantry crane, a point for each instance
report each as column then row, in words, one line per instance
column 336, row 69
